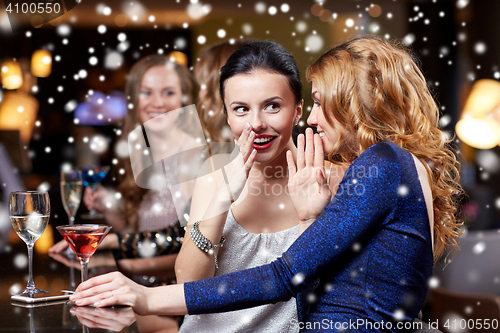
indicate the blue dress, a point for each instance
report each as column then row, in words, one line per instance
column 362, row 266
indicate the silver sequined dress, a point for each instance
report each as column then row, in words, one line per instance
column 242, row 250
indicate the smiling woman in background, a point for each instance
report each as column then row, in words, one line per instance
column 155, row 86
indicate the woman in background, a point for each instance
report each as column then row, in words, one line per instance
column 155, row 86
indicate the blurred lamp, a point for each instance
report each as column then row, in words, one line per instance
column 478, row 133
column 484, row 97
column 12, row 76
column 18, row 112
column 179, row 57
column 480, row 123
column 41, row 63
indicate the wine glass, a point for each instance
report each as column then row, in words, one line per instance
column 29, row 214
column 84, row 240
column 71, row 192
column 92, row 176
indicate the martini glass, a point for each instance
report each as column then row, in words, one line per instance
column 29, row 214
column 83, row 240
column 92, row 176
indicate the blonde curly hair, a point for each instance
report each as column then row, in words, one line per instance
column 376, row 90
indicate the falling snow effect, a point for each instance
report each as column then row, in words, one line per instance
column 479, row 248
column 433, row 282
column 308, row 42
column 480, row 48
column 314, row 43
column 20, row 261
column 403, row 190
column 488, row 160
column 260, row 7
column 113, row 60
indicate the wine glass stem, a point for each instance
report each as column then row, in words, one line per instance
column 85, row 271
column 31, row 284
column 71, row 220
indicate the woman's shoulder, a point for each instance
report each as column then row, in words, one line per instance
column 382, row 152
column 384, row 159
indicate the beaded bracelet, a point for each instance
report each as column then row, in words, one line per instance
column 204, row 243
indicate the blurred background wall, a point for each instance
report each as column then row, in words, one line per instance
column 78, row 108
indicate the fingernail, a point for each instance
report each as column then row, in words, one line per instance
column 254, row 151
column 247, row 126
column 252, row 134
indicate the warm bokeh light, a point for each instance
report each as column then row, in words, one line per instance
column 179, row 57
column 45, row 241
column 480, row 123
column 484, row 98
column 326, row 15
column 12, row 76
column 478, row 133
column 375, row 11
column 316, row 9
column 121, row 20
column 41, row 63
column 18, row 112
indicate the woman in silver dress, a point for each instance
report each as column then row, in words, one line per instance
column 261, row 90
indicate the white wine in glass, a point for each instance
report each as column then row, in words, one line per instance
column 71, row 192
column 29, row 214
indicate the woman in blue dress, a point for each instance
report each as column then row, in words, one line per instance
column 365, row 258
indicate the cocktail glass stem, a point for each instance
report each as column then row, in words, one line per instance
column 72, row 282
column 93, row 187
column 85, row 271
column 31, row 285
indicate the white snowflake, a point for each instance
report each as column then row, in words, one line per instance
column 433, row 282
column 479, row 248
column 403, row 190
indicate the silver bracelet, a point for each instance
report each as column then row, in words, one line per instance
column 204, row 243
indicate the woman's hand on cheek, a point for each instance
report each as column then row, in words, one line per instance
column 112, row 289
column 237, row 170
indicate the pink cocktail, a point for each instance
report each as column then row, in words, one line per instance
column 84, row 240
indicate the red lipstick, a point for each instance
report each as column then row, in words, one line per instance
column 264, row 146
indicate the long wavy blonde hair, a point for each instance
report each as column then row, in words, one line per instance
column 376, row 90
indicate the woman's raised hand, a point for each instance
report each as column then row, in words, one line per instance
column 307, row 182
column 92, row 198
column 237, row 171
